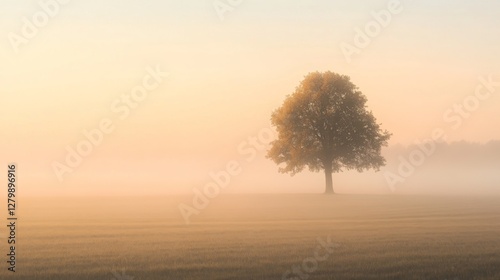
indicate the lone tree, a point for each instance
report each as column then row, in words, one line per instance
column 325, row 125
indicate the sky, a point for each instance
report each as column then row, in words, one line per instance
column 226, row 74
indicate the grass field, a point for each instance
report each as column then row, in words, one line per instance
column 258, row 237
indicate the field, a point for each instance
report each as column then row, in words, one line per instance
column 258, row 237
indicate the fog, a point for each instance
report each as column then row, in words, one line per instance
column 457, row 168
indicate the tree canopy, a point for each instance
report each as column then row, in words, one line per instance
column 325, row 125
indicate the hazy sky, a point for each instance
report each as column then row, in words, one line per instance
column 226, row 77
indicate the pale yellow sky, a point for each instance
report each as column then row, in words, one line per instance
column 225, row 78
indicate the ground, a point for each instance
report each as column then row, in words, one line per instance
column 258, row 237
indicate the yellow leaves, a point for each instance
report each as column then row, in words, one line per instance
column 325, row 122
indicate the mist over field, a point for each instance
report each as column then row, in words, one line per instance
column 456, row 168
column 232, row 139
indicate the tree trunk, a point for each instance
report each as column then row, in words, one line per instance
column 329, row 181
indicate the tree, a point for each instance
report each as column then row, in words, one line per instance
column 325, row 125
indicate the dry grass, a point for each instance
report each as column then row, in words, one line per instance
column 259, row 237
